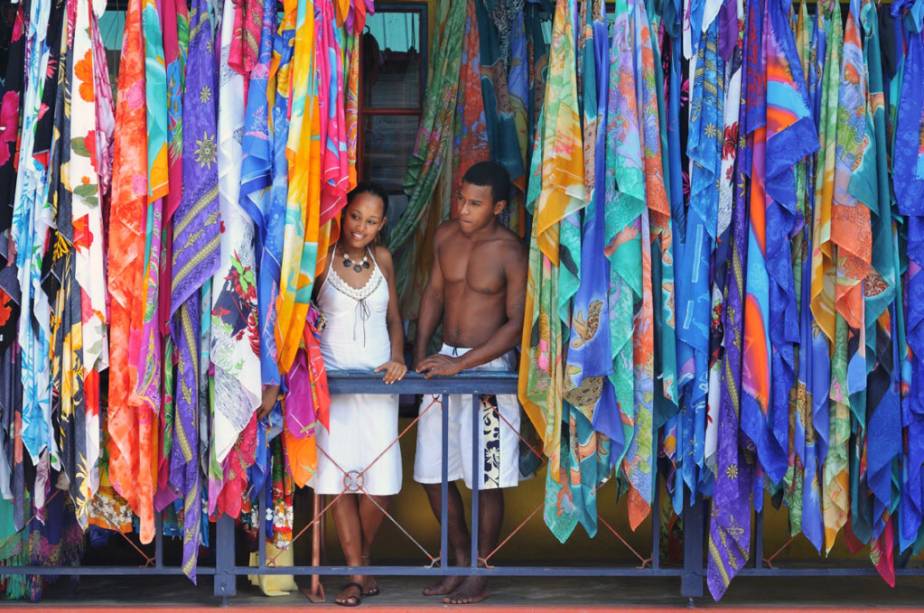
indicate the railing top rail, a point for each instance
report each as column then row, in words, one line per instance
column 367, row 382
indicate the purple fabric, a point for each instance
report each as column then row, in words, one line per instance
column 728, row 29
column 730, row 518
column 197, row 227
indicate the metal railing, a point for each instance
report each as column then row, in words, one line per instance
column 692, row 573
column 474, row 385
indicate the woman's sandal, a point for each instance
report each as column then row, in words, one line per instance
column 351, row 601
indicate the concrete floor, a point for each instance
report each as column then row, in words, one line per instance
column 398, row 593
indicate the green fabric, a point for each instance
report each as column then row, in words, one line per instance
column 434, row 134
column 13, row 552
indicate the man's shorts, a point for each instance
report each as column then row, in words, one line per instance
column 498, row 440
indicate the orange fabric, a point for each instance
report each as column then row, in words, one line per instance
column 302, row 228
column 132, row 428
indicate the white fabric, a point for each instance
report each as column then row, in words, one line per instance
column 498, row 440
column 362, row 426
column 236, row 380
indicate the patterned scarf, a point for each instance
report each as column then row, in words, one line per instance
column 176, row 41
column 130, row 427
column 302, row 230
column 30, row 224
column 434, row 134
column 557, row 190
column 729, row 543
column 588, row 354
column 908, row 183
column 196, row 239
column 235, row 343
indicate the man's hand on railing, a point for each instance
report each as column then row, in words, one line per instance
column 440, row 366
column 394, row 371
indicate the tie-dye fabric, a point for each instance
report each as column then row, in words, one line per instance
column 557, row 190
column 434, row 135
column 640, row 459
column 130, row 425
column 625, row 205
column 884, row 440
column 908, row 185
column 570, row 496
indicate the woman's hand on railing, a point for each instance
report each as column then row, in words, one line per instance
column 394, row 371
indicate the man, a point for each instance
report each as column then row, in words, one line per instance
column 477, row 284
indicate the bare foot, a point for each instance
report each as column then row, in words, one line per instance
column 471, row 591
column 351, row 595
column 446, row 585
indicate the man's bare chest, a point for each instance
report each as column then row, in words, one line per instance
column 473, row 270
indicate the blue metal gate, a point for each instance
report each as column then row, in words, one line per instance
column 692, row 573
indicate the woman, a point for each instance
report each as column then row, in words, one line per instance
column 359, row 456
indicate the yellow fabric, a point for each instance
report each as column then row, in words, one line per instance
column 274, row 585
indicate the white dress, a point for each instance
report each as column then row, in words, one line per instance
column 360, row 453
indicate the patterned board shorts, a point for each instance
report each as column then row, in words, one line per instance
column 498, row 437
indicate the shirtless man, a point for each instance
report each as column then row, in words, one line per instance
column 478, row 285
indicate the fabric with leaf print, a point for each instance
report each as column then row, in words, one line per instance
column 427, row 163
column 13, row 92
column 87, row 224
column 31, row 222
column 828, row 412
column 625, row 204
column 556, row 190
column 235, row 341
column 571, row 495
column 257, row 145
column 68, row 400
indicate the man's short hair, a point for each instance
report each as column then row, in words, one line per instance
column 489, row 174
